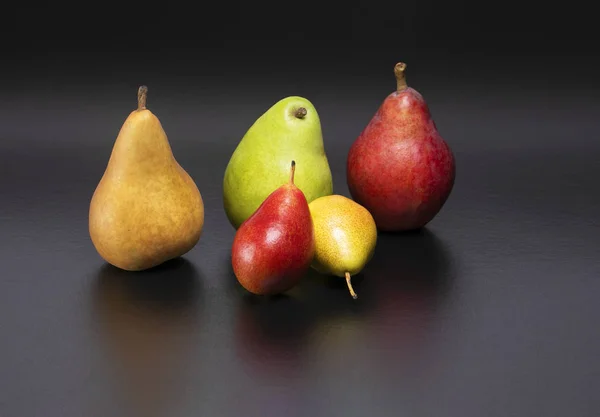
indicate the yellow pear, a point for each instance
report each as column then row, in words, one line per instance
column 146, row 209
column 345, row 237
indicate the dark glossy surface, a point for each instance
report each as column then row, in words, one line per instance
column 490, row 311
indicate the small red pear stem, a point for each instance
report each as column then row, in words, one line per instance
column 142, row 95
column 292, row 172
column 399, row 69
column 349, row 283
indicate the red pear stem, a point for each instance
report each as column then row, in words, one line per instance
column 400, row 76
column 292, row 172
column 142, row 95
column 349, row 283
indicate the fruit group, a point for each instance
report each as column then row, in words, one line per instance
column 274, row 247
column 146, row 209
column 399, row 167
column 345, row 237
column 290, row 129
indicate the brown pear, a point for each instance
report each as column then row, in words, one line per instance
column 146, row 209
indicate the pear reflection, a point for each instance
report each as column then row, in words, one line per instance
column 147, row 320
column 412, row 274
column 271, row 335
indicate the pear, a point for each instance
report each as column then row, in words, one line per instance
column 146, row 209
column 275, row 246
column 290, row 129
column 400, row 168
column 345, row 237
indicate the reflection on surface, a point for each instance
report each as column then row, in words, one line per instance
column 413, row 273
column 271, row 334
column 318, row 325
column 147, row 319
column 415, row 263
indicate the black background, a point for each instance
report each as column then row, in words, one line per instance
column 492, row 310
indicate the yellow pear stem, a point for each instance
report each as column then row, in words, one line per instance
column 399, row 69
column 349, row 283
column 292, row 172
column 142, row 95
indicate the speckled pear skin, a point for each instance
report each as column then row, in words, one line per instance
column 345, row 235
column 274, row 248
column 146, row 209
column 400, row 168
column 261, row 162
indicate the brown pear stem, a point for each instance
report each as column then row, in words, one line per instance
column 349, row 283
column 292, row 172
column 300, row 113
column 142, row 95
column 399, row 69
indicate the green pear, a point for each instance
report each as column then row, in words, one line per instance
column 289, row 130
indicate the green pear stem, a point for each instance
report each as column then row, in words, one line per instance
column 142, row 95
column 292, row 172
column 300, row 113
column 349, row 283
column 399, row 69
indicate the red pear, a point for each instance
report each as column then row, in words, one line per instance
column 399, row 167
column 275, row 246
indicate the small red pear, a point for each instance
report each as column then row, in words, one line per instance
column 400, row 168
column 274, row 247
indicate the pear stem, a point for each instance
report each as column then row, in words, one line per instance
column 300, row 113
column 292, row 172
column 142, row 95
column 399, row 69
column 349, row 283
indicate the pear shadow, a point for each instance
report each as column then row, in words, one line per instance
column 313, row 287
column 414, row 260
column 271, row 335
column 275, row 334
column 400, row 292
column 270, row 332
column 329, row 296
column 146, row 322
column 171, row 286
column 412, row 275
